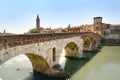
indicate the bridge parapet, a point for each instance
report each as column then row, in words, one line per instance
column 24, row 39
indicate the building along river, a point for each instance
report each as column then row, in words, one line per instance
column 103, row 66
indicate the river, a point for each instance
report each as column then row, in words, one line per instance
column 104, row 66
column 101, row 66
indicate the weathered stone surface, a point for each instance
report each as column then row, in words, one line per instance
column 44, row 49
column 39, row 63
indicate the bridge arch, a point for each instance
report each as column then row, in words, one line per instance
column 71, row 50
column 39, row 63
column 62, row 48
column 86, row 43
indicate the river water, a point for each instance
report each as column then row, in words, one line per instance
column 104, row 66
column 101, row 66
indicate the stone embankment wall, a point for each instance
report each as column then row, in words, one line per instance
column 111, row 42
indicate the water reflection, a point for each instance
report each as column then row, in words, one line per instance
column 16, row 68
column 39, row 76
column 25, row 72
column 73, row 65
column 62, row 60
column 104, row 66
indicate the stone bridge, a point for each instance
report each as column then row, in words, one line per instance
column 91, row 41
column 48, row 46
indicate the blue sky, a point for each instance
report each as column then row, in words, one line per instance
column 18, row 16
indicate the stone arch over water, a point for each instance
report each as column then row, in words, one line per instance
column 86, row 43
column 39, row 63
column 71, row 50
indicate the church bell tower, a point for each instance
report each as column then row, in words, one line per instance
column 38, row 24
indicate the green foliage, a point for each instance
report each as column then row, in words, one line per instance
column 32, row 30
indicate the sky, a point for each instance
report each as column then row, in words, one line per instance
column 18, row 16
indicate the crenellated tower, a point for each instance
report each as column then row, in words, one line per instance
column 98, row 25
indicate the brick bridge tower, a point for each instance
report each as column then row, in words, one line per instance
column 98, row 25
column 38, row 24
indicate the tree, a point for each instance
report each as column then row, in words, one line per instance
column 33, row 30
